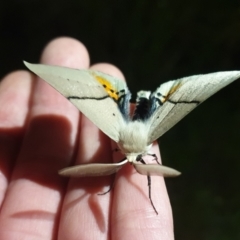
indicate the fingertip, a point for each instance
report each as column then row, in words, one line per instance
column 16, row 78
column 109, row 69
column 15, row 93
column 66, row 51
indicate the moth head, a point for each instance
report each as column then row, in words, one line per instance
column 133, row 157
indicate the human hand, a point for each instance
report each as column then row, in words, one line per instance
column 41, row 133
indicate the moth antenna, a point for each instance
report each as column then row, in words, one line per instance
column 155, row 158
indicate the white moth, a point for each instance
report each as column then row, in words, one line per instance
column 105, row 101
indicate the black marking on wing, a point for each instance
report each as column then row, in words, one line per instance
column 123, row 103
column 145, row 107
column 187, row 102
column 86, row 98
column 122, row 99
column 167, row 99
column 113, row 94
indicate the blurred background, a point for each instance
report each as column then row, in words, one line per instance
column 152, row 42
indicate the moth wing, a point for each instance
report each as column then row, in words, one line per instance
column 84, row 88
column 177, row 98
column 156, row 170
column 92, row 170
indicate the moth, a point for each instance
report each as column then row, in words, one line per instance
column 105, row 101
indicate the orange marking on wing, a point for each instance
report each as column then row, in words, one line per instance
column 108, row 87
column 172, row 90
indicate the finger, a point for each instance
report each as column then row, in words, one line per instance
column 82, row 204
column 132, row 212
column 15, row 91
column 32, row 204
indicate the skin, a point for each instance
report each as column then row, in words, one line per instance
column 41, row 133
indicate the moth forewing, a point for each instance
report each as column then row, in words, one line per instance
column 86, row 90
column 177, row 98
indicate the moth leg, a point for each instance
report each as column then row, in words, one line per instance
column 110, row 188
column 112, row 184
column 142, row 161
column 149, row 193
column 116, row 150
column 149, row 188
column 155, row 158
